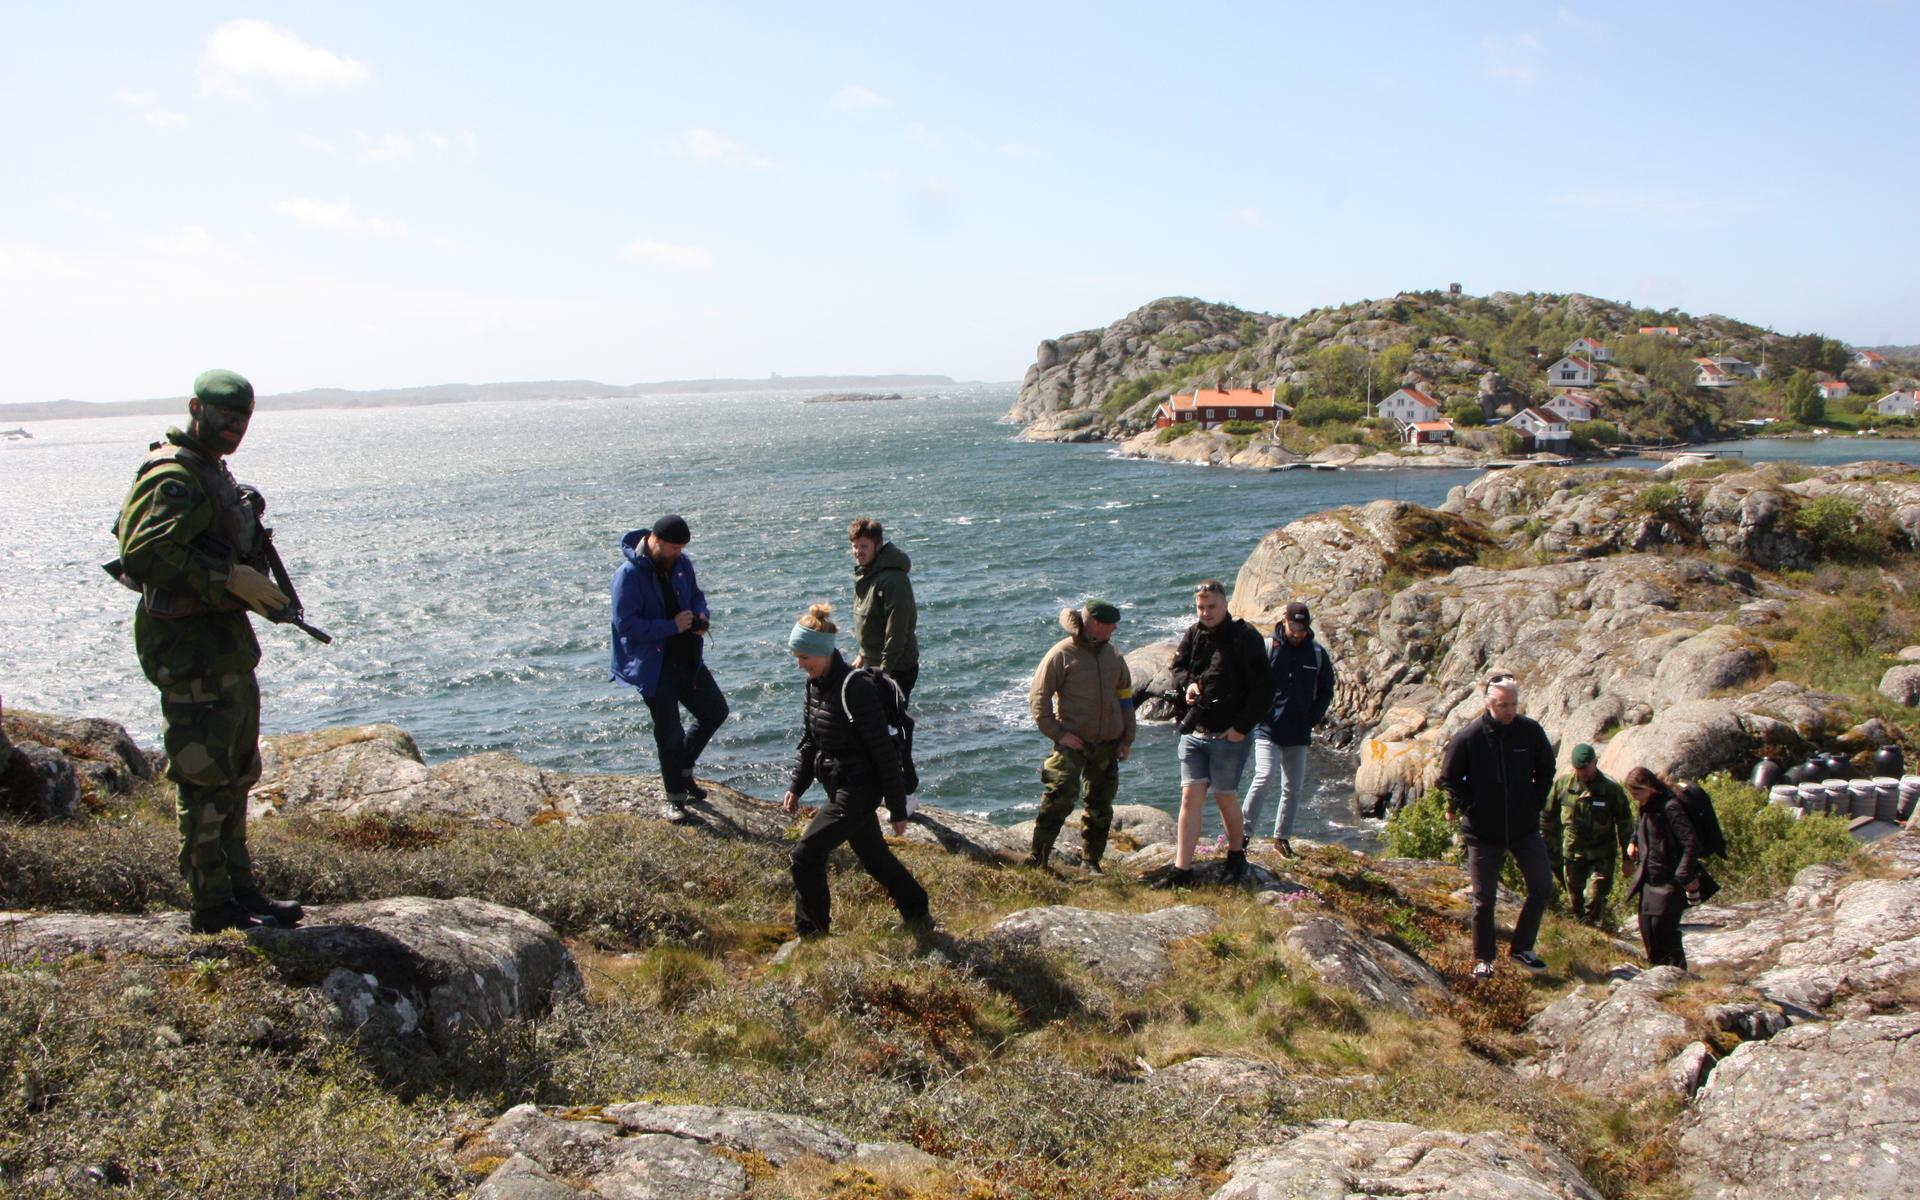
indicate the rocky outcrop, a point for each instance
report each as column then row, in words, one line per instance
column 1826, row 939
column 1379, row 973
column 1824, row 1109
column 1134, row 826
column 1608, row 1039
column 1372, row 1160
column 1078, row 372
column 393, row 969
column 1127, row 950
column 1151, row 667
column 1901, row 684
column 48, row 764
column 657, row 1151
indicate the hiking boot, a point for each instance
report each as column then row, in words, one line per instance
column 1038, row 859
column 285, row 913
column 1284, row 846
column 694, row 790
column 224, row 916
column 1176, row 878
column 1528, row 959
column 1481, row 971
column 1236, row 865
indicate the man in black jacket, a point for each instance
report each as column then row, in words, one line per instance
column 1220, row 672
column 1496, row 775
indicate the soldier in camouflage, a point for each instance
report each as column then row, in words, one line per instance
column 185, row 531
column 1587, row 824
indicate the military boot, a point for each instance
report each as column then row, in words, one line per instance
column 224, row 916
column 1038, row 857
column 285, row 913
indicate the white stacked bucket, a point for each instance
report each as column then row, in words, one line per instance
column 1785, row 794
column 1813, row 797
column 1839, row 797
column 1886, row 798
column 1861, row 793
column 1909, row 793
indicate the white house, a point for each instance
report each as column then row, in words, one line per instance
column 1573, row 405
column 1708, row 374
column 1544, row 429
column 1409, row 405
column 1589, row 349
column 1834, row 389
column 1898, row 404
column 1572, row 371
column 1869, row 360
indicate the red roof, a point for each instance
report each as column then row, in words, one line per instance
column 1539, row 414
column 1835, row 387
column 1222, row 398
column 1433, row 426
column 1418, row 396
column 1587, row 341
column 1577, row 361
column 1673, row 330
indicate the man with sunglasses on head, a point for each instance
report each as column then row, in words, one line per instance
column 1496, row 774
column 186, row 531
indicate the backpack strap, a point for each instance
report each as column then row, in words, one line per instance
column 879, row 678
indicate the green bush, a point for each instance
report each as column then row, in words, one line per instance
column 1605, row 433
column 1321, row 410
column 1245, row 427
column 1661, row 500
column 1839, row 646
column 1178, row 429
column 1766, row 845
column 1420, row 829
column 1467, row 412
column 1511, row 440
column 1841, row 530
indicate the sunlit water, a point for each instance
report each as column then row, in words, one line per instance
column 460, row 555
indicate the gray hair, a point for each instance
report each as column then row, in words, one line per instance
column 1503, row 683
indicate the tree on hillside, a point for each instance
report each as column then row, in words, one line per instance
column 1340, row 371
column 1388, row 366
column 1804, row 403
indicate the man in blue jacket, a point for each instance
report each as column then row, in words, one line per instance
column 659, row 617
column 1302, row 674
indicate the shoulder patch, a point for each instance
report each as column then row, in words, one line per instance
column 175, row 489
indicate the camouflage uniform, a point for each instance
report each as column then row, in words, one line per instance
column 182, row 528
column 1587, row 827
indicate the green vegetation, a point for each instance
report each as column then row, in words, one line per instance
column 1420, row 829
column 1322, row 410
column 1766, row 844
column 1804, row 403
column 1178, row 429
column 1842, row 531
column 1843, row 645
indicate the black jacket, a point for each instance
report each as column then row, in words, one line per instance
column 1230, row 665
column 1669, row 855
column 1302, row 681
column 856, row 757
column 1497, row 778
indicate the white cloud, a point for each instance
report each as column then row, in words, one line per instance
column 853, row 98
column 707, row 146
column 1247, row 218
column 251, row 48
column 161, row 118
column 447, row 245
column 190, row 241
column 466, row 139
column 394, row 147
column 319, row 145
column 1513, row 60
column 134, row 99
column 336, row 216
column 668, row 254
column 1018, row 150
column 920, row 135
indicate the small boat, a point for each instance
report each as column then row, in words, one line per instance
column 14, row 435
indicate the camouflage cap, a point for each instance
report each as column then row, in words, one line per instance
column 224, row 389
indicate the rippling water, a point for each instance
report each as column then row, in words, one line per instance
column 460, row 555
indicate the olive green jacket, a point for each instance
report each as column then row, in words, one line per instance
column 1586, row 821
column 884, row 614
column 177, row 542
column 1083, row 688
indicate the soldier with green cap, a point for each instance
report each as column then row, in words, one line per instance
column 185, row 532
column 1587, row 824
column 1082, row 699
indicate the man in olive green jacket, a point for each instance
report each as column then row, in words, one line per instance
column 1587, row 823
column 884, row 613
column 1082, row 699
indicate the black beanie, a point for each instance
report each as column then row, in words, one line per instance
column 673, row 528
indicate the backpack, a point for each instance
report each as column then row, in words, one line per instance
column 893, row 709
column 1706, row 822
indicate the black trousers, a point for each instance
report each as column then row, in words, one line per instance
column 690, row 687
column 1660, row 934
column 848, row 818
column 1484, row 862
column 906, row 677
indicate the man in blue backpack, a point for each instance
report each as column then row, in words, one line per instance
column 659, row 618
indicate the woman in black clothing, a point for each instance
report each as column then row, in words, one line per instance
column 1667, row 875
column 845, row 744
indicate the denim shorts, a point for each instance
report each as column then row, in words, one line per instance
column 1213, row 760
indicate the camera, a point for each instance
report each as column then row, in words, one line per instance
column 699, row 625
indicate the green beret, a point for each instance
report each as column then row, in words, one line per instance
column 1101, row 611
column 224, row 389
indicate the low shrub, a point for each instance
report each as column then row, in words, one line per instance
column 1766, row 844
column 1420, row 829
column 1840, row 529
column 1322, row 410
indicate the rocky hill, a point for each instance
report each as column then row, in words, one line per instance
column 1487, row 352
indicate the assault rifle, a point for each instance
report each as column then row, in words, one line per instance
column 294, row 613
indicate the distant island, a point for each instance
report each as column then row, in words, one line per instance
column 470, row 393
column 851, row 397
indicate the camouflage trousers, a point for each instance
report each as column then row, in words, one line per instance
column 212, row 739
column 1090, row 776
column 1589, row 885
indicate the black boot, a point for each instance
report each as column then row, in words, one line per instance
column 694, row 790
column 224, row 916
column 1236, row 865
column 1177, row 877
column 285, row 913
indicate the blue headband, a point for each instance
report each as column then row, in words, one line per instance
column 810, row 641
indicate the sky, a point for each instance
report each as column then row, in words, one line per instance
column 371, row 195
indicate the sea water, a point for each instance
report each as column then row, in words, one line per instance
column 460, row 555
